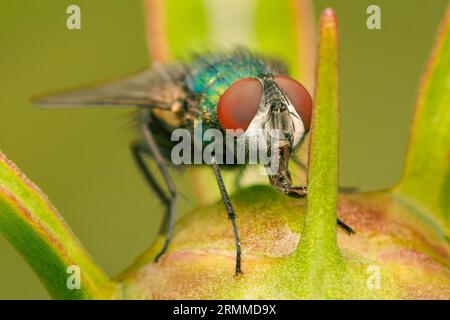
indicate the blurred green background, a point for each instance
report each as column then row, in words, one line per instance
column 80, row 158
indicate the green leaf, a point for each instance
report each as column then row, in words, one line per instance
column 426, row 178
column 36, row 230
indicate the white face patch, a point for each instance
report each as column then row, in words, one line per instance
column 299, row 127
column 262, row 121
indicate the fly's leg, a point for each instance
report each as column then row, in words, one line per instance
column 168, row 199
column 345, row 227
column 231, row 214
column 139, row 153
column 169, row 218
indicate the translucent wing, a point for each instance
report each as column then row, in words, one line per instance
column 159, row 86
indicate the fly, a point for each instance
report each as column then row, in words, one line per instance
column 227, row 91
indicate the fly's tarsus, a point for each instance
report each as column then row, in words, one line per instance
column 297, row 192
column 345, row 227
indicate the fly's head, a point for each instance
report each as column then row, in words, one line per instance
column 273, row 114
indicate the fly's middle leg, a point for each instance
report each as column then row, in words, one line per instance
column 231, row 214
column 168, row 198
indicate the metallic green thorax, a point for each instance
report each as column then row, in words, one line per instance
column 210, row 76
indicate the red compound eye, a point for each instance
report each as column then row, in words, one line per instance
column 299, row 97
column 238, row 105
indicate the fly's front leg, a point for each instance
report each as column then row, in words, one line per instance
column 231, row 214
column 169, row 199
column 281, row 181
